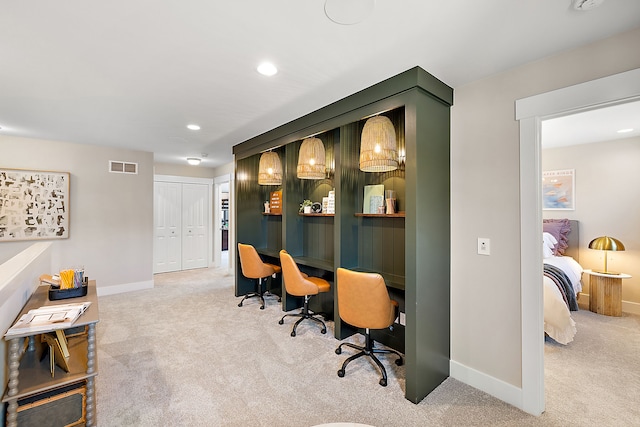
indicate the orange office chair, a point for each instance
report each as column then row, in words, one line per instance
column 363, row 302
column 300, row 285
column 254, row 268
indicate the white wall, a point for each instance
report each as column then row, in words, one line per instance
column 199, row 171
column 111, row 215
column 607, row 203
column 486, row 334
column 19, row 277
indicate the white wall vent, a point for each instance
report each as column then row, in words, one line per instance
column 123, row 167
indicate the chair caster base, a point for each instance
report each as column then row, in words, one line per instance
column 240, row 305
column 280, row 322
column 324, row 331
column 383, row 382
column 293, row 333
column 339, row 351
column 341, row 372
column 399, row 362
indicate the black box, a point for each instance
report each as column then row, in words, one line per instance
column 62, row 407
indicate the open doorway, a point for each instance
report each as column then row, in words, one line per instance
column 530, row 112
column 223, row 236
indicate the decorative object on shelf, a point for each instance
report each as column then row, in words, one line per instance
column 331, row 203
column 606, row 243
column 34, row 205
column 373, row 198
column 270, row 169
column 378, row 146
column 305, row 206
column 390, row 198
column 267, row 209
column 311, row 159
column 316, row 207
column 276, row 202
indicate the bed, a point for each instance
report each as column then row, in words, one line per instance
column 562, row 278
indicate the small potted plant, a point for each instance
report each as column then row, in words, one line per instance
column 305, row 206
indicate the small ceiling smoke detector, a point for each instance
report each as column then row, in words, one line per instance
column 584, row 5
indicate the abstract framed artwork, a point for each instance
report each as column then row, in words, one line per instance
column 34, row 205
column 558, row 190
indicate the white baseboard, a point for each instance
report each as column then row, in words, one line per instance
column 627, row 306
column 630, row 307
column 125, row 287
column 490, row 385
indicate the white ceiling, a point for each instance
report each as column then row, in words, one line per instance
column 134, row 73
column 597, row 125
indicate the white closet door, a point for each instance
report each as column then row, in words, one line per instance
column 167, row 221
column 194, row 225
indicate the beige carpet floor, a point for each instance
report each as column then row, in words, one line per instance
column 184, row 354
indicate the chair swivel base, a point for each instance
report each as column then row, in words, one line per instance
column 258, row 294
column 368, row 350
column 302, row 317
column 305, row 313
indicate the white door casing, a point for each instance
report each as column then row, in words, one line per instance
column 530, row 112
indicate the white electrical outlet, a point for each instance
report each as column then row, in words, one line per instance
column 403, row 319
column 484, row 246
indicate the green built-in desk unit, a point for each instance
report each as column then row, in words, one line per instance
column 410, row 248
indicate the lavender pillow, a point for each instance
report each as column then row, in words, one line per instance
column 558, row 228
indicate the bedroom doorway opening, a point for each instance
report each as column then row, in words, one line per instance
column 530, row 112
column 223, row 222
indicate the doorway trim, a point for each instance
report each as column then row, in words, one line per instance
column 530, row 112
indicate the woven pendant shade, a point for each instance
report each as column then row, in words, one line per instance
column 270, row 169
column 311, row 159
column 378, row 147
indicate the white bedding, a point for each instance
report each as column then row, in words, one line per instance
column 558, row 323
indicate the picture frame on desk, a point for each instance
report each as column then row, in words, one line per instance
column 373, row 198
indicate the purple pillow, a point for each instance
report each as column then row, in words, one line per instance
column 558, row 228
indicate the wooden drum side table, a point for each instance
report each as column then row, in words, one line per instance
column 605, row 292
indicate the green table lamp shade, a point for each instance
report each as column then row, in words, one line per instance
column 606, row 243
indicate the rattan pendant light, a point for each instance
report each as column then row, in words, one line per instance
column 378, row 147
column 311, row 159
column 270, row 169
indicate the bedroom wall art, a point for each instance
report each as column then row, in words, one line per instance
column 34, row 205
column 558, row 190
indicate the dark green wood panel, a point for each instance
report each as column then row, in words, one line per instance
column 347, row 194
column 428, row 239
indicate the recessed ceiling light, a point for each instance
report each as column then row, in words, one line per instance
column 193, row 161
column 267, row 69
column 625, row 130
column 193, row 127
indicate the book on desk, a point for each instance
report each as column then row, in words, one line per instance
column 43, row 319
